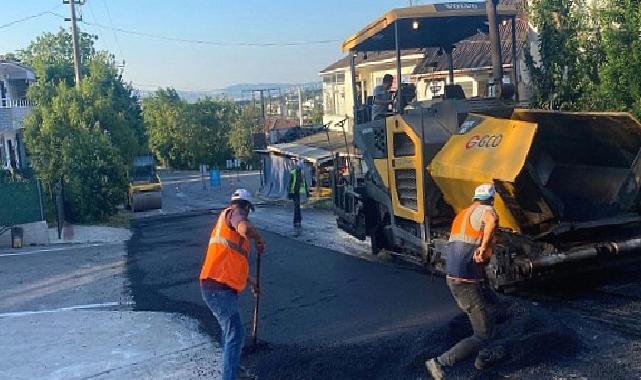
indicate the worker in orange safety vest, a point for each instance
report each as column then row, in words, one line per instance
column 225, row 272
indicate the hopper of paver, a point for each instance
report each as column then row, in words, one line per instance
column 554, row 171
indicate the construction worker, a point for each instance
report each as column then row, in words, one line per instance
column 225, row 273
column 469, row 248
column 297, row 186
column 382, row 98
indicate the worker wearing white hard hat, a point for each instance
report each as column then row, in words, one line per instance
column 225, row 273
column 468, row 249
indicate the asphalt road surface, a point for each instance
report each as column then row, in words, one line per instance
column 331, row 315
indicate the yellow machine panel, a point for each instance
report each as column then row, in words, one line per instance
column 405, row 170
column 495, row 150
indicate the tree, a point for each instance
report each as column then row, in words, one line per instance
column 184, row 135
column 241, row 131
column 65, row 146
column 317, row 113
column 567, row 74
column 620, row 73
column 51, row 55
column 87, row 134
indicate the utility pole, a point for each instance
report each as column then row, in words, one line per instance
column 300, row 105
column 74, row 37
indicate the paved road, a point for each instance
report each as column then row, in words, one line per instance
column 65, row 313
column 327, row 315
column 311, row 296
column 330, row 315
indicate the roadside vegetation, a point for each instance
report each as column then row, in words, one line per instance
column 183, row 135
column 590, row 55
column 83, row 138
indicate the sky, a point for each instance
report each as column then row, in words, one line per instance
column 152, row 63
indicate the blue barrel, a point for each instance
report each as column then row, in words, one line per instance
column 214, row 178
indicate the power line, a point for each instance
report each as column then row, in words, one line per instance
column 112, row 28
column 175, row 39
column 215, row 43
column 27, row 18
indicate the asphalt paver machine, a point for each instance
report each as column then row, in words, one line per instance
column 567, row 183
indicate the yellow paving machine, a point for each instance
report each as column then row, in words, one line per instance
column 145, row 188
column 568, row 183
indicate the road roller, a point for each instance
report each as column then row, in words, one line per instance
column 145, row 188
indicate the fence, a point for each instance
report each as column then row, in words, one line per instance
column 20, row 202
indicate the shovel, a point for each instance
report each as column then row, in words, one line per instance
column 257, row 303
column 256, row 344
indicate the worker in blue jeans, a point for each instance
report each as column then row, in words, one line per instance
column 225, row 273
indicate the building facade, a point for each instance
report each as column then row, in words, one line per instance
column 15, row 79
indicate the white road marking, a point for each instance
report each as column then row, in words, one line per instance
column 69, row 308
column 67, row 248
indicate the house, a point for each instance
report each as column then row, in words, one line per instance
column 428, row 70
column 14, row 106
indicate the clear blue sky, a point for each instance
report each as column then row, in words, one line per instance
column 152, row 62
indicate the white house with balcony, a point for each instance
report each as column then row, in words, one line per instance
column 14, row 106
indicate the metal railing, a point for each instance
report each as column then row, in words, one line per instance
column 11, row 103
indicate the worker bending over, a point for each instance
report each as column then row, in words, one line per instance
column 225, row 272
column 469, row 248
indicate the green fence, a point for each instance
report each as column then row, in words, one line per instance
column 19, row 203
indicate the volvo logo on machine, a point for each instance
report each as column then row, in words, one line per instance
column 485, row 141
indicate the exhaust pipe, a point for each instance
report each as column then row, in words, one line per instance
column 495, row 46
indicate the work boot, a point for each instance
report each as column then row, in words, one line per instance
column 488, row 357
column 435, row 369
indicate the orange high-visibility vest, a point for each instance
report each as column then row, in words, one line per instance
column 226, row 259
column 462, row 229
column 464, row 241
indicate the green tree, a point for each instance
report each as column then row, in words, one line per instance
column 620, row 73
column 567, row 75
column 51, row 55
column 85, row 135
column 240, row 135
column 317, row 113
column 184, row 135
column 66, row 146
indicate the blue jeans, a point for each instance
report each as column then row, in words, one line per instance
column 224, row 305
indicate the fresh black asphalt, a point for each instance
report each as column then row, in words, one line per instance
column 326, row 315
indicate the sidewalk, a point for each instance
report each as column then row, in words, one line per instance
column 76, row 234
column 103, row 344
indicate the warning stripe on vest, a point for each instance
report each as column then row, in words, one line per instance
column 229, row 244
column 217, row 239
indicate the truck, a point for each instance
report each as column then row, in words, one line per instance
column 568, row 183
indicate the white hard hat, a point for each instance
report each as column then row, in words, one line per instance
column 242, row 195
column 484, row 192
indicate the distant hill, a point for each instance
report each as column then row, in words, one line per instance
column 241, row 91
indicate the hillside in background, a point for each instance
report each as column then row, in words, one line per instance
column 240, row 91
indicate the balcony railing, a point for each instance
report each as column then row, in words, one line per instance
column 10, row 103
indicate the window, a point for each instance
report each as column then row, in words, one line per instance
column 334, row 94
